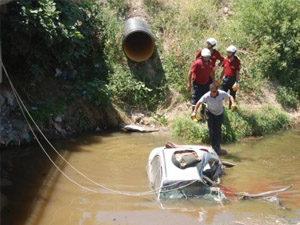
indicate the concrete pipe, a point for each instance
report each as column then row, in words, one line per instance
column 138, row 41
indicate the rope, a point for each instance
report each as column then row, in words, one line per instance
column 23, row 107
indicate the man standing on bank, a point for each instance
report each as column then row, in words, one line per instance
column 214, row 115
column 231, row 71
column 202, row 74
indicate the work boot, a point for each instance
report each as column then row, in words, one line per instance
column 220, row 151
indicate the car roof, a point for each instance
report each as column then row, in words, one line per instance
column 174, row 173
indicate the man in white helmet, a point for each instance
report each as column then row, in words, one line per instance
column 201, row 72
column 215, row 55
column 231, row 71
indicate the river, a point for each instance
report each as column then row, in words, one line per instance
column 34, row 192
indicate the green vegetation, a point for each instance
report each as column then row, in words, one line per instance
column 266, row 33
column 270, row 30
column 287, row 97
column 183, row 25
column 128, row 89
column 51, row 34
column 84, row 41
column 47, row 36
column 190, row 131
column 162, row 120
column 97, row 94
column 237, row 125
column 46, row 112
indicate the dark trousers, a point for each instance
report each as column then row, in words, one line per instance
column 214, row 129
column 227, row 84
column 198, row 91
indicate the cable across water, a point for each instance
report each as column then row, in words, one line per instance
column 24, row 109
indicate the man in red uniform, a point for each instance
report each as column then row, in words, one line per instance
column 215, row 55
column 202, row 74
column 231, row 71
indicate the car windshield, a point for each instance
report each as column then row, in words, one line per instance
column 184, row 189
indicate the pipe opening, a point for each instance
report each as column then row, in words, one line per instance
column 138, row 46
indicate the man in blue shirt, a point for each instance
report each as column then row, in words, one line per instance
column 214, row 115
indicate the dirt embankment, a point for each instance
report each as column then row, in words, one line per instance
column 77, row 116
column 56, row 114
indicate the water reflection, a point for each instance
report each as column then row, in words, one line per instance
column 41, row 195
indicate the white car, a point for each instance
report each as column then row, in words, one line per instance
column 186, row 171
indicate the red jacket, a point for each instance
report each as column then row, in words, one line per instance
column 201, row 71
column 231, row 68
column 214, row 57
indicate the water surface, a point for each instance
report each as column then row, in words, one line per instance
column 35, row 193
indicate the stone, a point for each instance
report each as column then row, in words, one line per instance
column 137, row 117
column 59, row 128
column 58, row 119
column 9, row 98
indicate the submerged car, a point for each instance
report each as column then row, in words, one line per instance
column 184, row 171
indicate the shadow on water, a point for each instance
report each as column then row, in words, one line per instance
column 234, row 158
column 28, row 179
column 237, row 158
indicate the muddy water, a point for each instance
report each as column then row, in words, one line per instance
column 35, row 193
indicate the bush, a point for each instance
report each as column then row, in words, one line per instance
column 96, row 93
column 127, row 89
column 163, row 120
column 174, row 73
column 47, row 34
column 266, row 120
column 44, row 113
column 272, row 30
column 191, row 131
column 237, row 125
column 287, row 97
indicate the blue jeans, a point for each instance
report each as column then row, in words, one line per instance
column 227, row 84
column 214, row 129
column 198, row 91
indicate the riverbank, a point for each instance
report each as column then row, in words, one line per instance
column 98, row 88
column 54, row 113
column 255, row 117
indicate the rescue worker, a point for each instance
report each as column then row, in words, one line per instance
column 231, row 71
column 215, row 55
column 201, row 72
column 214, row 115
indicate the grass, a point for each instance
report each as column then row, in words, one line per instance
column 287, row 97
column 191, row 131
column 237, row 125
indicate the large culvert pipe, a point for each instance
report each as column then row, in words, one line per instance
column 138, row 41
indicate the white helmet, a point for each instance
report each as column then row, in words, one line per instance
column 231, row 48
column 205, row 52
column 212, row 41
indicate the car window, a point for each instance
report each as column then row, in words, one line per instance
column 194, row 190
